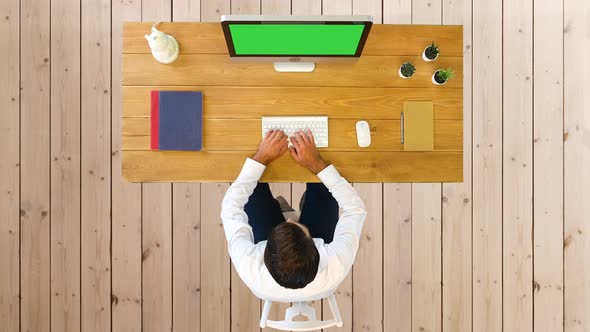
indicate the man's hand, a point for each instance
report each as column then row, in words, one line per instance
column 306, row 153
column 273, row 145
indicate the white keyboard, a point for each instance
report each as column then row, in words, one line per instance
column 291, row 124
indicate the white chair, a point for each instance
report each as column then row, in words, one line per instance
column 301, row 308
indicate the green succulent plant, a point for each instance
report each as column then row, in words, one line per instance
column 443, row 75
column 431, row 51
column 407, row 69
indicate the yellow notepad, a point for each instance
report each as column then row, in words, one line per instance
column 418, row 126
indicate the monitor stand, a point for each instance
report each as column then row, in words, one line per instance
column 294, row 67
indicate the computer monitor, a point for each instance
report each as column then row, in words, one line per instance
column 295, row 43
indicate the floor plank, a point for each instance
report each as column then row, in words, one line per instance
column 215, row 263
column 96, row 166
column 186, row 10
column 277, row 311
column 157, row 224
column 576, row 162
column 426, row 257
column 336, row 7
column 186, row 257
column 156, row 257
column 65, row 165
column 426, row 221
column 245, row 310
column 245, row 7
column 276, row 7
column 216, row 281
column 457, row 198
column 397, row 11
column 156, row 10
column 186, row 226
column 344, row 300
column 548, row 166
column 306, row 7
column 487, row 165
column 397, row 257
column 367, row 270
column 126, row 198
column 427, row 12
column 297, row 192
column 245, row 306
column 517, row 171
column 10, row 166
column 211, row 10
column 35, row 127
column 397, row 223
column 369, row 7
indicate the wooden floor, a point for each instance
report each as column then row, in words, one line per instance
column 507, row 250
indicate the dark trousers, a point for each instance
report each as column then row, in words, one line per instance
column 319, row 212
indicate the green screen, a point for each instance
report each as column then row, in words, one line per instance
column 296, row 39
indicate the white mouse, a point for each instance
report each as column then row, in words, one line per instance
column 363, row 134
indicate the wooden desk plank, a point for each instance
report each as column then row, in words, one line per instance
column 354, row 166
column 214, row 69
column 336, row 102
column 384, row 39
column 244, row 134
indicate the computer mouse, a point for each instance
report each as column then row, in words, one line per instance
column 363, row 134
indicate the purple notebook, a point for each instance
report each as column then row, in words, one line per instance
column 177, row 120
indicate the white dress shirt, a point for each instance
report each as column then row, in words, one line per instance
column 336, row 258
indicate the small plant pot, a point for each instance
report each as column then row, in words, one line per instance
column 408, row 68
column 401, row 75
column 434, row 80
column 426, row 58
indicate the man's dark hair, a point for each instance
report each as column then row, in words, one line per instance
column 291, row 256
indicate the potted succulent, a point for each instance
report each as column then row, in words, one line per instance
column 430, row 52
column 406, row 70
column 442, row 76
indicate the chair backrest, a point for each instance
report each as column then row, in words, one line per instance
column 301, row 308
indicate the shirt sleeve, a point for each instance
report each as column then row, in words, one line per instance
column 238, row 232
column 349, row 227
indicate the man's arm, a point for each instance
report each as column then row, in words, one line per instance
column 238, row 232
column 349, row 227
column 235, row 221
column 348, row 230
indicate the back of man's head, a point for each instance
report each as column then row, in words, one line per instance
column 291, row 256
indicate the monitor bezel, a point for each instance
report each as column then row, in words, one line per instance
column 367, row 21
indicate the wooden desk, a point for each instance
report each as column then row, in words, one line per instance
column 237, row 95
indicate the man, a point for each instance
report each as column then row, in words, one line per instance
column 297, row 260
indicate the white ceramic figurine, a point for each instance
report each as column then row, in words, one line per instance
column 164, row 47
